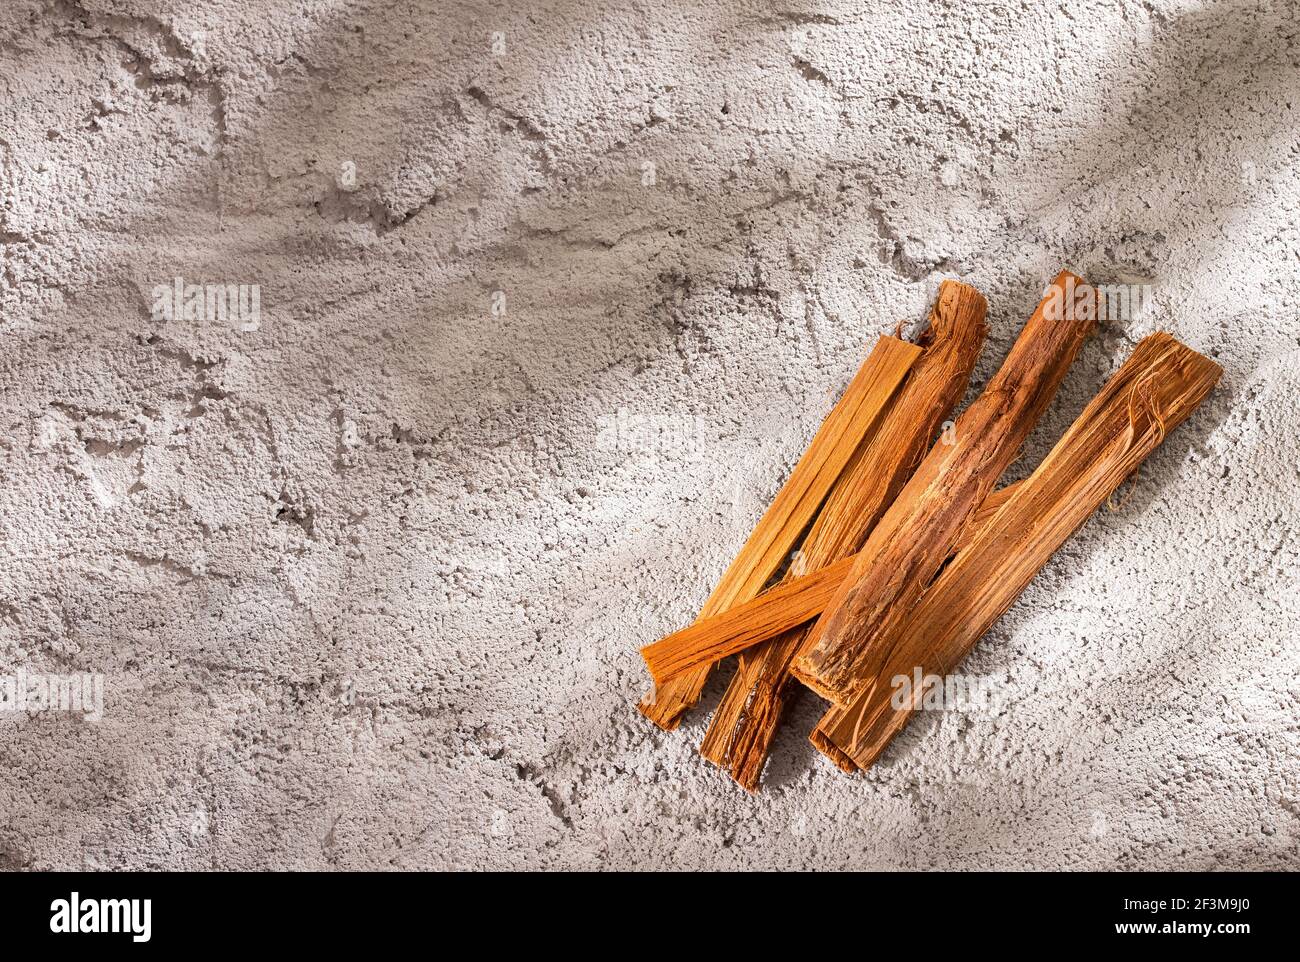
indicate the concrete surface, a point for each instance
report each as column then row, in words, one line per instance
column 551, row 297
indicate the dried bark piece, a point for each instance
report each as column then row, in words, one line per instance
column 917, row 533
column 937, row 381
column 709, row 640
column 796, row 504
column 746, row 720
column 1155, row 390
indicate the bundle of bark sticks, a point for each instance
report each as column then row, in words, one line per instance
column 889, row 549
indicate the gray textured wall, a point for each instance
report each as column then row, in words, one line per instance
column 552, row 296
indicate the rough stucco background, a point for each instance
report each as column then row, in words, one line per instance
column 367, row 583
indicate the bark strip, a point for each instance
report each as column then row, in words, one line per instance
column 1155, row 390
column 847, row 646
column 709, row 640
column 796, row 504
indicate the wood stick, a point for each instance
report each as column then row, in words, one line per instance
column 1155, row 390
column 950, row 346
column 709, row 640
column 917, row 533
column 795, row 505
column 747, row 718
